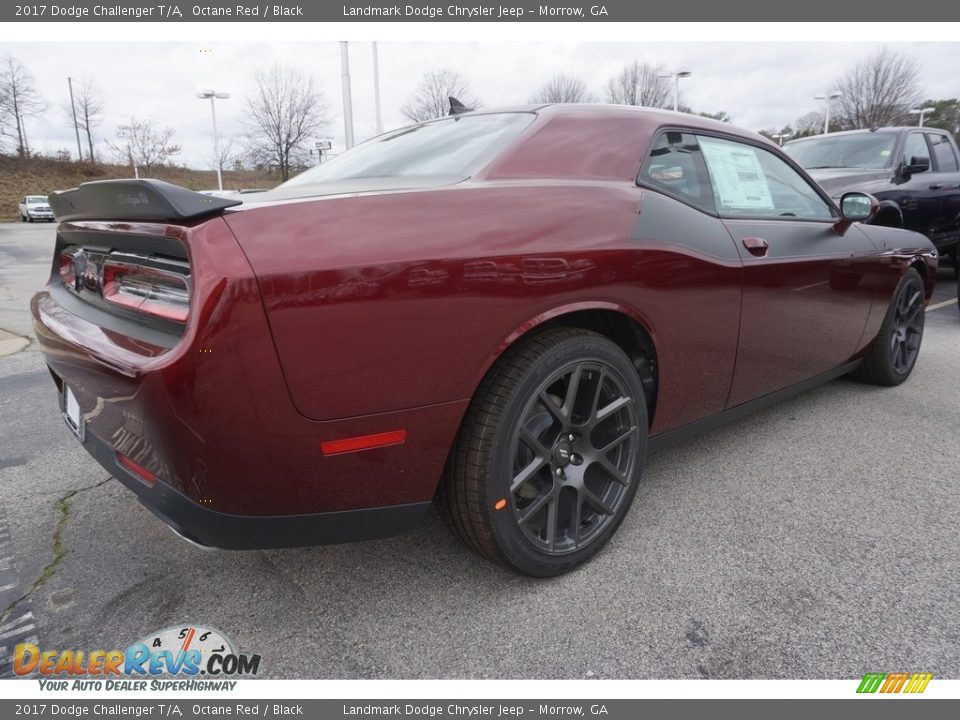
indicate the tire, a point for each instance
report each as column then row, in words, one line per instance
column 29, row 219
column 893, row 353
column 956, row 261
column 537, row 483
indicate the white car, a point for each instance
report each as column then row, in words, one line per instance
column 35, row 207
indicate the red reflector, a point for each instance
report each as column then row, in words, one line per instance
column 138, row 470
column 363, row 442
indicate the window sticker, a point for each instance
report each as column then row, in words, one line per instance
column 737, row 175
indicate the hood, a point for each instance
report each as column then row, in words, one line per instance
column 839, row 180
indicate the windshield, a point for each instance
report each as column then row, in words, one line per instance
column 866, row 150
column 452, row 146
column 34, row 199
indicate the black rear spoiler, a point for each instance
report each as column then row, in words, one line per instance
column 134, row 200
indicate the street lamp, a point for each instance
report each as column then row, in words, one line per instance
column 780, row 137
column 921, row 112
column 676, row 75
column 832, row 95
column 213, row 95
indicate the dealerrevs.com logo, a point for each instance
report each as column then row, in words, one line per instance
column 201, row 657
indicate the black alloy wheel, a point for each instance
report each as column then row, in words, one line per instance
column 573, row 456
column 549, row 454
column 893, row 354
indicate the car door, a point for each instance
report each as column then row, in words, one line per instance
column 921, row 206
column 945, row 182
column 805, row 297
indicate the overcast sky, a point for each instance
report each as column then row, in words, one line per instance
column 760, row 85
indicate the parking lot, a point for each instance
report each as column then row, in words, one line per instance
column 816, row 539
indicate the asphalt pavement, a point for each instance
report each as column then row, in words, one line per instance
column 816, row 539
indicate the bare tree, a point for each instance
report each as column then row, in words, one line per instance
column 144, row 144
column 808, row 124
column 562, row 88
column 639, row 84
column 90, row 104
column 285, row 112
column 431, row 99
column 879, row 90
column 228, row 154
column 19, row 99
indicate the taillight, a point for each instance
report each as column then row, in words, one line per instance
column 146, row 289
column 150, row 285
column 67, row 271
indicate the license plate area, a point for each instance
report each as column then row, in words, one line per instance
column 71, row 411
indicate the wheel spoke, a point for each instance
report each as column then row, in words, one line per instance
column 594, row 404
column 612, row 407
column 616, row 442
column 532, row 442
column 612, row 470
column 552, row 407
column 595, row 500
column 573, row 387
column 534, row 507
column 551, row 535
column 528, row 472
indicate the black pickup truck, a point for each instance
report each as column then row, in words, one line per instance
column 914, row 172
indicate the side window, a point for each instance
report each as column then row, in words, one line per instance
column 915, row 147
column 753, row 182
column 676, row 167
column 943, row 152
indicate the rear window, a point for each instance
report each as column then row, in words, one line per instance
column 943, row 152
column 451, row 146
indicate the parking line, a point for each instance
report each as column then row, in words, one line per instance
column 943, row 304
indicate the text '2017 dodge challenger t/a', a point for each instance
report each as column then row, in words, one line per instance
column 504, row 310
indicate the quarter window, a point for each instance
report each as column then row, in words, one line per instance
column 753, row 182
column 676, row 167
column 943, row 152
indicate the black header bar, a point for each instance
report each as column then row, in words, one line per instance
column 478, row 11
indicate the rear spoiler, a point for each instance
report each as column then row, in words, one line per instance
column 134, row 200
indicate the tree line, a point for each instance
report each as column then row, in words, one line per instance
column 286, row 110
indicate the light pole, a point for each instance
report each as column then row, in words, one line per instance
column 376, row 89
column 827, row 99
column 676, row 75
column 921, row 112
column 780, row 137
column 213, row 96
column 347, row 98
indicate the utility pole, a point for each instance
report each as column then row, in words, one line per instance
column 347, row 98
column 76, row 127
column 376, row 89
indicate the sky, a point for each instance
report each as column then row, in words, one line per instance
column 760, row 85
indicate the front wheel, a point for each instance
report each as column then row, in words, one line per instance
column 891, row 357
column 550, row 453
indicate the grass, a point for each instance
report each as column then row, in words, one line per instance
column 41, row 176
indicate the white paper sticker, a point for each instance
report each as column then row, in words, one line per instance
column 737, row 175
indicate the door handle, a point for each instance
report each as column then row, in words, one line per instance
column 756, row 246
column 936, row 186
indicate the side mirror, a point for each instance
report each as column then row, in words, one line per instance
column 858, row 206
column 916, row 165
column 855, row 207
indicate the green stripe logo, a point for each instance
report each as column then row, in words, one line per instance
column 871, row 682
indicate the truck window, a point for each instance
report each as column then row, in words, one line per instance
column 943, row 153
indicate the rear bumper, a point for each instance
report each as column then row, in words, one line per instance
column 249, row 532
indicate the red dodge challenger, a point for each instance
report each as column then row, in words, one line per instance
column 502, row 309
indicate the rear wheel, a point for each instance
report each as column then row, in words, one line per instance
column 891, row 357
column 550, row 453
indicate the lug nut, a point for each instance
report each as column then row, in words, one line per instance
column 571, row 437
column 559, row 472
